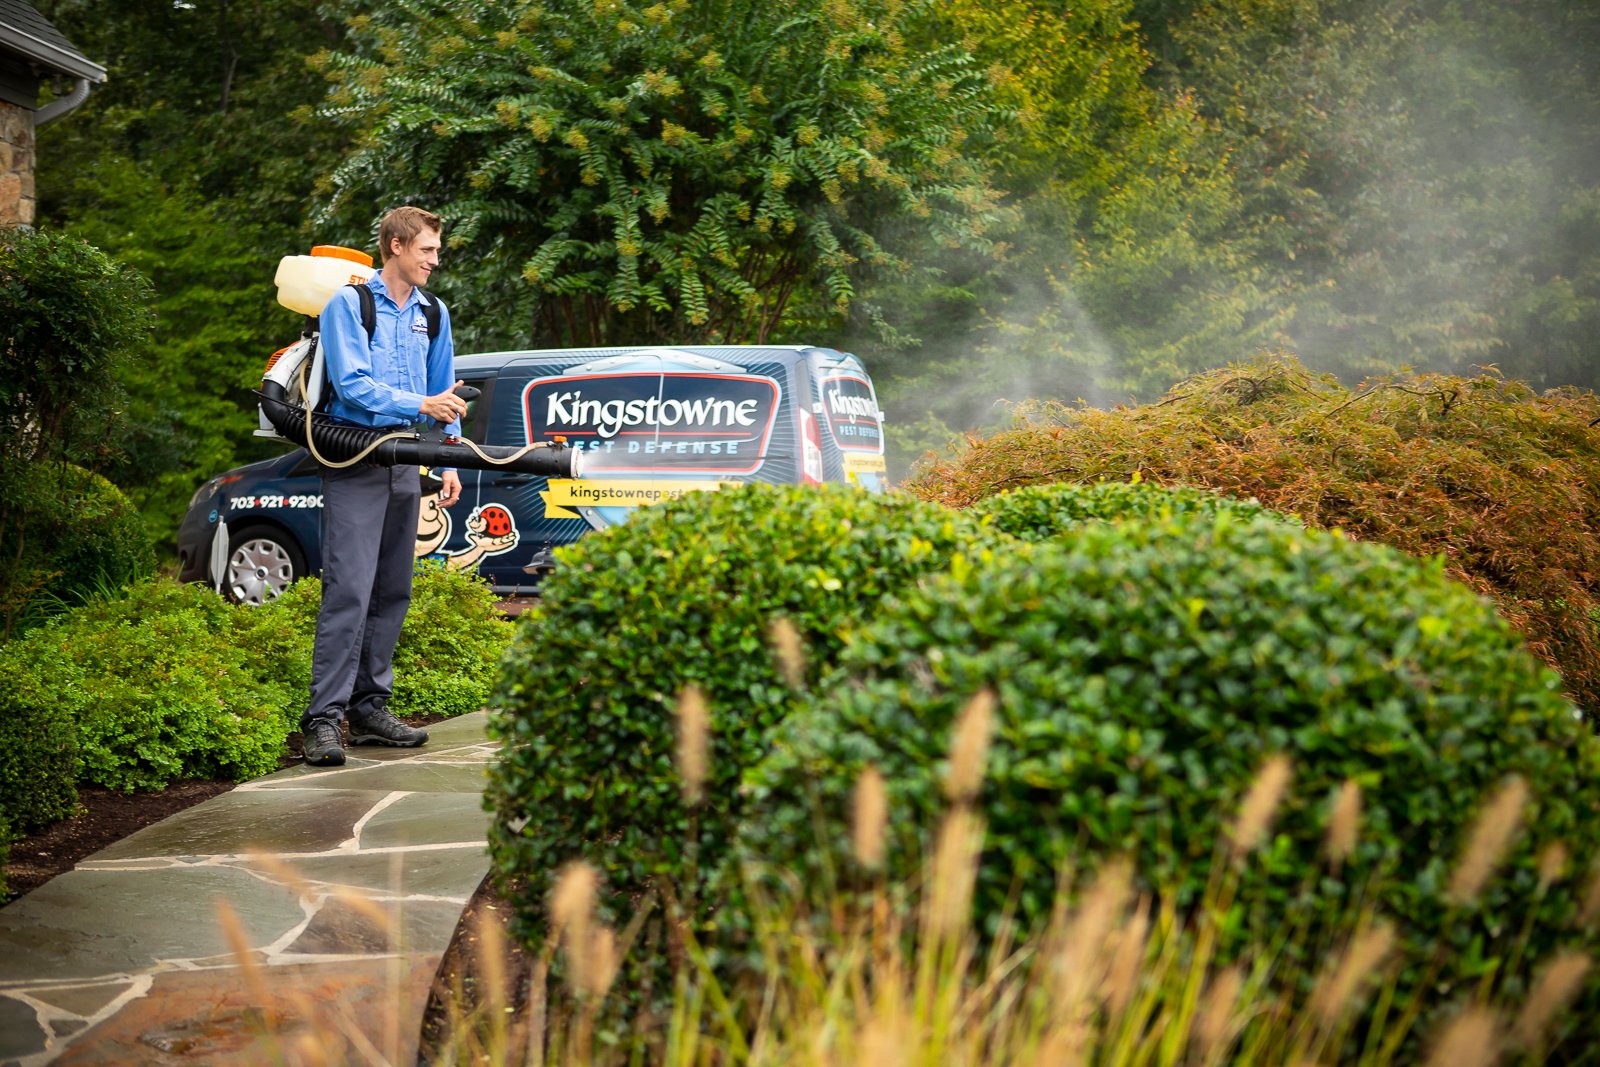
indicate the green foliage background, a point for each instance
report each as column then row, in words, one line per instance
column 989, row 201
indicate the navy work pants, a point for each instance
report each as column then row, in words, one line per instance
column 369, row 536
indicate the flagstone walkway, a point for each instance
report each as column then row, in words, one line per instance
column 346, row 883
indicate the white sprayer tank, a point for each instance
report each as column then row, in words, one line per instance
column 307, row 283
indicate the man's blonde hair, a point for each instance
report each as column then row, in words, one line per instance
column 403, row 224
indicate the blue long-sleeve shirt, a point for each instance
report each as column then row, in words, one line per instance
column 384, row 383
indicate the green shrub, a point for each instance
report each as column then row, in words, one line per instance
column 38, row 743
column 684, row 594
column 445, row 662
column 1143, row 674
column 451, row 644
column 279, row 635
column 1040, row 512
column 159, row 686
column 1501, row 481
column 77, row 538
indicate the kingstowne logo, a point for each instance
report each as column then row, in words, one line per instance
column 852, row 411
column 647, row 420
column 608, row 417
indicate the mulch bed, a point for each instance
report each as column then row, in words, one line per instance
column 106, row 818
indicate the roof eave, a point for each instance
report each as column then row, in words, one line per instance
column 53, row 56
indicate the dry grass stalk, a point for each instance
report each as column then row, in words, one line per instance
column 1557, row 984
column 1337, row 987
column 1344, row 823
column 694, row 731
column 790, row 650
column 1084, row 960
column 1217, row 1012
column 1552, row 865
column 1492, row 834
column 870, row 816
column 1590, row 909
column 492, row 962
column 884, row 1043
column 969, row 747
column 572, row 902
column 572, row 917
column 1261, row 804
column 308, row 1050
column 1470, row 1040
column 243, row 953
column 1063, row 1046
column 955, row 867
column 374, row 912
column 1127, row 957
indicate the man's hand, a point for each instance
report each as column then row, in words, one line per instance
column 449, row 488
column 445, row 407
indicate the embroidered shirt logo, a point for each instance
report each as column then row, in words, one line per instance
column 419, row 326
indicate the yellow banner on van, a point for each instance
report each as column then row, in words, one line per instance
column 567, row 493
column 858, row 464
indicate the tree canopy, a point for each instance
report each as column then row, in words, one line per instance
column 622, row 172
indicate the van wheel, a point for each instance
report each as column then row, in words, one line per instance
column 262, row 563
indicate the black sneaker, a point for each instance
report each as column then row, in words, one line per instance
column 320, row 742
column 375, row 725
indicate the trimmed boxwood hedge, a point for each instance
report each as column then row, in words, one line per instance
column 1040, row 512
column 1144, row 672
column 682, row 594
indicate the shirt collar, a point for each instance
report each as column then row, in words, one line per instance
column 377, row 286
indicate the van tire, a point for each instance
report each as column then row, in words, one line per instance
column 263, row 561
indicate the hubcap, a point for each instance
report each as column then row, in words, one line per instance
column 258, row 571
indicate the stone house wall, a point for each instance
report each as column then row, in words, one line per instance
column 16, row 165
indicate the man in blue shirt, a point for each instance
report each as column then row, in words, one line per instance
column 393, row 377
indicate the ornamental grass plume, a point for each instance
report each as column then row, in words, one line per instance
column 1552, row 865
column 1558, row 982
column 1218, row 1011
column 1491, row 836
column 1127, row 957
column 969, row 747
column 694, row 729
column 1590, row 908
column 572, row 914
column 1471, row 1039
column 1344, row 823
column 1335, row 990
column 869, row 817
column 1260, row 805
column 955, row 867
column 789, row 649
column 1083, row 959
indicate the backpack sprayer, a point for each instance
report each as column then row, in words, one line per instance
column 295, row 388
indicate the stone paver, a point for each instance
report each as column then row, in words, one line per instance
column 346, row 885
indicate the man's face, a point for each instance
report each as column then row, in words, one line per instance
column 414, row 262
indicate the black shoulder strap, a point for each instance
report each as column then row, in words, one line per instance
column 430, row 311
column 369, row 311
column 369, row 308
